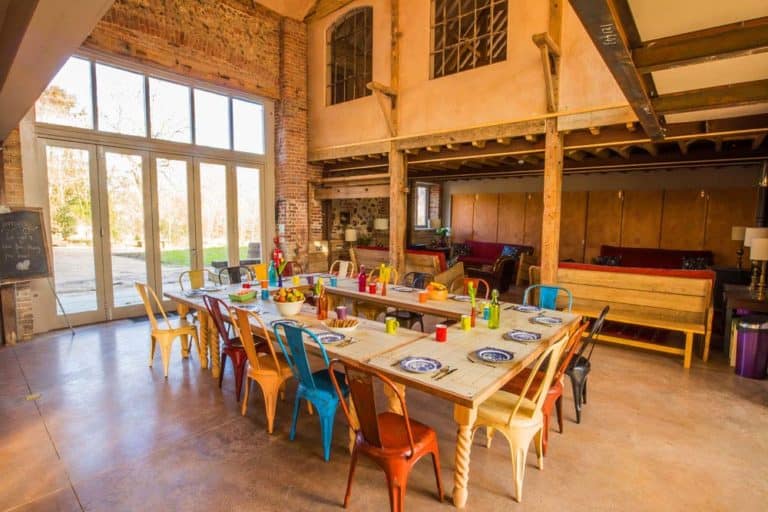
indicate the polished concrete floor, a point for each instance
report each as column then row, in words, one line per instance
column 86, row 425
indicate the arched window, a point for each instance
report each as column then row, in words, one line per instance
column 467, row 34
column 350, row 42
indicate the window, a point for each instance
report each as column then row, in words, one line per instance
column 467, row 34
column 248, row 126
column 67, row 100
column 422, row 207
column 211, row 120
column 120, row 101
column 169, row 108
column 249, row 213
column 350, row 43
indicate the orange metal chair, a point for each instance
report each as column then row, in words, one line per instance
column 268, row 369
column 555, row 393
column 394, row 442
column 461, row 285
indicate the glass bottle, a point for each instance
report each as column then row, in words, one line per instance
column 272, row 274
column 322, row 305
column 361, row 280
column 494, row 311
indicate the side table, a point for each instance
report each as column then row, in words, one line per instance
column 738, row 297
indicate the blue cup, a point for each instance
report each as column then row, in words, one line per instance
column 334, row 281
column 264, row 294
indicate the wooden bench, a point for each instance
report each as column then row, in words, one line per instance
column 429, row 262
column 673, row 300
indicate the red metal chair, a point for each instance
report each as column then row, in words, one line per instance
column 555, row 392
column 394, row 442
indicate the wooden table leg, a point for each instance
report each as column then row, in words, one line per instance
column 213, row 341
column 203, row 318
column 688, row 349
column 465, row 418
column 182, row 310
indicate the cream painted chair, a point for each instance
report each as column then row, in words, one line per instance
column 343, row 268
column 165, row 336
column 193, row 279
column 520, row 419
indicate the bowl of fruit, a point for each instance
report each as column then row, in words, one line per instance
column 288, row 301
column 437, row 291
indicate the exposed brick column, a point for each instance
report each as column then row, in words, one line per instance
column 12, row 186
column 303, row 221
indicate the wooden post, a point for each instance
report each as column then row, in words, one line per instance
column 398, row 219
column 8, row 314
column 553, row 186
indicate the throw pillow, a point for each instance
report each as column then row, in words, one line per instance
column 461, row 250
column 694, row 263
column 508, row 250
column 611, row 261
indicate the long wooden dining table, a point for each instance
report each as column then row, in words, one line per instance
column 471, row 382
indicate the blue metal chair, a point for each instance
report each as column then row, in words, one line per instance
column 548, row 295
column 315, row 387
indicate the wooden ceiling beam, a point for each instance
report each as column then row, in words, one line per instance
column 604, row 28
column 757, row 141
column 730, row 95
column 727, row 41
column 323, row 8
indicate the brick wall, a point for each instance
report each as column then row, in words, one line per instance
column 12, row 187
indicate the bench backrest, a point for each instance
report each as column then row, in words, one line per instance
column 427, row 262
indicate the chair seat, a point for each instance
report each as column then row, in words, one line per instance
column 394, row 437
column 405, row 315
column 323, row 381
column 267, row 365
column 496, row 410
column 518, row 382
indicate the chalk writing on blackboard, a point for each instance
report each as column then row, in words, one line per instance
column 24, row 252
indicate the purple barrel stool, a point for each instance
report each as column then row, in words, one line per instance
column 752, row 347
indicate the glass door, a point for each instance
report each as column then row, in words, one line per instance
column 73, row 210
column 128, row 242
column 213, row 215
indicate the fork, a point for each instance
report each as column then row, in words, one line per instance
column 440, row 373
column 480, row 362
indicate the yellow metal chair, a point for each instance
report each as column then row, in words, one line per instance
column 165, row 336
column 270, row 369
column 520, row 419
column 259, row 271
column 343, row 268
column 192, row 279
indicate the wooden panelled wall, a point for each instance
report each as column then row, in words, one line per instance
column 667, row 219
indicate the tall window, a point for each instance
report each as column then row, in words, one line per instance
column 422, row 207
column 467, row 34
column 350, row 43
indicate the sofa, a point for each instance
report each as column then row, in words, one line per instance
column 485, row 260
column 646, row 257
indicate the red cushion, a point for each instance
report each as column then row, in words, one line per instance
column 476, row 260
column 486, row 250
column 653, row 258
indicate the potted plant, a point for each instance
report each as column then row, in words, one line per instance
column 443, row 232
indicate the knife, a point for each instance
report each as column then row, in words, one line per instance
column 447, row 373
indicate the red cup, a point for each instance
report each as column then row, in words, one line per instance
column 441, row 332
column 246, row 285
column 372, row 288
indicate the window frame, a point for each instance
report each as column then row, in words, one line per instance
column 475, row 41
column 426, row 188
column 367, row 58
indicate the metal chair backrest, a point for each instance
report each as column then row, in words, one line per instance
column 217, row 308
column 149, row 298
column 235, row 274
column 343, row 268
column 259, row 271
column 246, row 322
column 295, row 352
column 394, row 277
column 573, row 345
column 361, row 389
column 196, row 278
column 417, row 279
column 594, row 332
column 476, row 282
column 550, row 356
column 548, row 295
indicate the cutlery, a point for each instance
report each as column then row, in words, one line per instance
column 509, row 307
column 452, row 370
column 441, row 373
column 397, row 363
column 481, row 362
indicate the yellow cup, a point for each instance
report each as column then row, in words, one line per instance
column 391, row 324
column 466, row 322
column 296, row 281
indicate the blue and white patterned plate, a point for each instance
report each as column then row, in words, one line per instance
column 494, row 355
column 211, row 288
column 522, row 336
column 329, row 337
column 527, row 308
column 285, row 321
column 546, row 320
column 462, row 298
column 406, row 289
column 196, row 292
column 416, row 364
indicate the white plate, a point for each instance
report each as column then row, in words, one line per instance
column 527, row 308
column 494, row 355
column 546, row 320
column 286, row 321
column 522, row 336
column 329, row 337
column 406, row 289
column 416, row 364
column 462, row 298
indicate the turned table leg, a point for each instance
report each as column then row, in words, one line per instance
column 213, row 340
column 203, row 318
column 183, row 310
column 465, row 418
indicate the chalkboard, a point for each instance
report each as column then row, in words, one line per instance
column 24, row 251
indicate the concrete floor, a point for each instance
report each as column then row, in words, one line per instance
column 108, row 433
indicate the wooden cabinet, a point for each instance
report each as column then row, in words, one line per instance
column 511, row 224
column 462, row 213
column 728, row 208
column 603, row 221
column 683, row 219
column 486, row 217
column 573, row 226
column 641, row 218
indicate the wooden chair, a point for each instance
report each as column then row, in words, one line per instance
column 518, row 418
column 231, row 346
column 194, row 279
column 164, row 336
column 268, row 369
column 343, row 268
column 554, row 399
column 314, row 387
column 548, row 294
column 579, row 368
column 235, row 275
column 394, row 442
